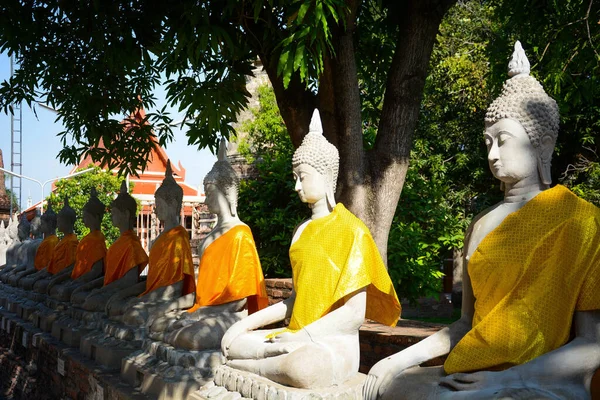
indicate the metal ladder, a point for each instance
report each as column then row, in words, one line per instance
column 16, row 148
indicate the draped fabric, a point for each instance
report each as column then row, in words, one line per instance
column 334, row 257
column 89, row 250
column 44, row 252
column 529, row 276
column 64, row 254
column 125, row 253
column 230, row 270
column 171, row 262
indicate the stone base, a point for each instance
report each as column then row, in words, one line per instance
column 165, row 372
column 69, row 331
column 235, row 384
column 106, row 350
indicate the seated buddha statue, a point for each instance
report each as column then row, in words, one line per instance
column 530, row 324
column 3, row 244
column 338, row 279
column 18, row 255
column 63, row 255
column 124, row 261
column 45, row 250
column 28, row 250
column 89, row 257
column 170, row 267
column 230, row 281
column 13, row 242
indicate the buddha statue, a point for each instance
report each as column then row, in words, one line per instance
column 44, row 251
column 230, row 281
column 63, row 255
column 530, row 309
column 3, row 243
column 170, row 267
column 338, row 279
column 89, row 257
column 28, row 248
column 13, row 242
column 18, row 253
column 124, row 261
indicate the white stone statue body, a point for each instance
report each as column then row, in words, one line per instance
column 520, row 134
column 204, row 327
column 3, row 243
column 325, row 352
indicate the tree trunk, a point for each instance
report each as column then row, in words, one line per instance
column 369, row 183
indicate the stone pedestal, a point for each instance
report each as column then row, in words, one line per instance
column 164, row 372
column 234, row 384
column 112, row 344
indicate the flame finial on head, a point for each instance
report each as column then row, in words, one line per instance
column 519, row 64
column 222, row 152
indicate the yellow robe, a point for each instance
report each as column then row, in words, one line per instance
column 230, row 270
column 529, row 276
column 333, row 257
column 44, row 253
column 171, row 262
column 125, row 253
column 89, row 250
column 64, row 254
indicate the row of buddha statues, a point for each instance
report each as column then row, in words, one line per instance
column 530, row 322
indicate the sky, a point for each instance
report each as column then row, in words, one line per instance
column 41, row 146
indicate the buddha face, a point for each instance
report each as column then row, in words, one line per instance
column 23, row 232
column 511, row 155
column 215, row 200
column 120, row 218
column 90, row 220
column 311, row 185
column 164, row 210
column 63, row 224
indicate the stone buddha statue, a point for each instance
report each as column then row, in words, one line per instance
column 338, row 279
column 170, row 267
column 124, row 260
column 89, row 257
column 29, row 247
column 3, row 243
column 63, row 255
column 530, row 311
column 44, row 251
column 18, row 252
column 230, row 281
column 13, row 241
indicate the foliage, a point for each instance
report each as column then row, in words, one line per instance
column 98, row 62
column 268, row 203
column 77, row 190
column 15, row 202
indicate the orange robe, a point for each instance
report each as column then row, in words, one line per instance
column 64, row 253
column 44, row 253
column 91, row 249
column 171, row 262
column 230, row 270
column 529, row 276
column 125, row 253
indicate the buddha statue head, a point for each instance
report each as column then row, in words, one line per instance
column 168, row 196
column 36, row 225
column 13, row 231
column 49, row 222
column 521, row 126
column 93, row 211
column 316, row 165
column 24, row 228
column 221, row 185
column 66, row 218
column 124, row 209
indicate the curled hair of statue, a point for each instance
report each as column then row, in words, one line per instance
column 67, row 212
column 94, row 206
column 169, row 190
column 224, row 177
column 523, row 99
column 317, row 152
column 125, row 202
